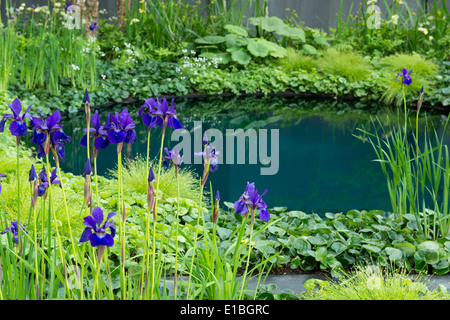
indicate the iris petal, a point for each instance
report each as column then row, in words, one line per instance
column 240, row 207
column 85, row 235
column 101, row 142
column 18, row 128
column 117, row 136
column 264, row 215
column 97, row 213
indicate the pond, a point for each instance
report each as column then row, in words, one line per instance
column 314, row 161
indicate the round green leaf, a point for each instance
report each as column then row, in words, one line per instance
column 238, row 30
column 371, row 248
column 258, row 48
column 394, row 254
column 241, row 57
column 317, row 240
column 269, row 24
column 407, row 247
column 292, row 33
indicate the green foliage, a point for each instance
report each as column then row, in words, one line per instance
column 297, row 61
column 136, row 183
column 373, row 283
column 349, row 65
column 424, row 72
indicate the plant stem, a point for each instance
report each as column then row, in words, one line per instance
column 122, row 222
column 176, row 232
column 248, row 253
column 96, row 181
column 156, row 207
column 195, row 238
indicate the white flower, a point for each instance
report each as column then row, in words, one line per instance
column 134, row 21
column 424, row 30
column 395, row 18
column 75, row 67
column 430, row 38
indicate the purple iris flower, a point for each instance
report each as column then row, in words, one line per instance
column 121, row 128
column 210, row 155
column 250, row 201
column 18, row 126
column 216, row 207
column 210, row 160
column 14, row 229
column 1, row 176
column 32, row 176
column 68, row 5
column 86, row 98
column 95, row 231
column 166, row 116
column 406, row 76
column 51, row 128
column 173, row 157
column 149, row 120
column 93, row 26
column 99, row 133
column 43, row 181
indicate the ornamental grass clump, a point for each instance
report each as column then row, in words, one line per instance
column 373, row 283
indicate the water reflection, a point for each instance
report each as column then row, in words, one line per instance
column 323, row 167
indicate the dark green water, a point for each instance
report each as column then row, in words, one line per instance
column 323, row 167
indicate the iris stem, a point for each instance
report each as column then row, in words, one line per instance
column 67, row 214
column 147, row 229
column 52, row 211
column 96, row 181
column 195, row 238
column 122, row 222
column 176, row 233
column 156, row 207
column 18, row 193
column 248, row 254
column 35, row 247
